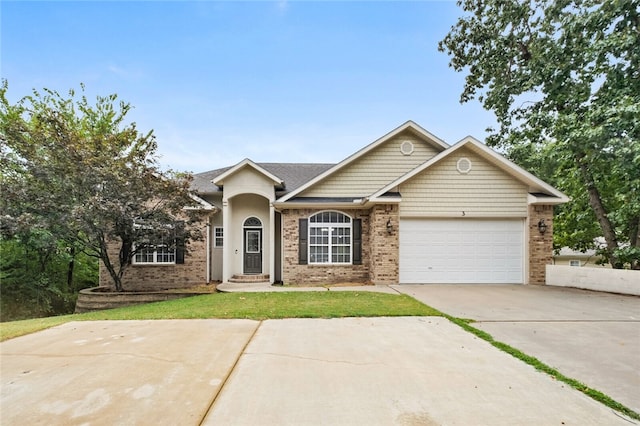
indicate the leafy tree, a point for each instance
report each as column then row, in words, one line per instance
column 83, row 174
column 563, row 79
column 34, row 275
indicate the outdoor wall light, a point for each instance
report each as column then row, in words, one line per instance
column 542, row 227
column 389, row 227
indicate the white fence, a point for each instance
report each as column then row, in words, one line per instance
column 610, row 280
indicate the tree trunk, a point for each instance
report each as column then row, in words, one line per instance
column 634, row 232
column 70, row 268
column 634, row 240
column 104, row 256
column 595, row 201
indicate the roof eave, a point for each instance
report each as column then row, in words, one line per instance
column 407, row 125
column 219, row 180
column 537, row 200
column 555, row 197
column 203, row 205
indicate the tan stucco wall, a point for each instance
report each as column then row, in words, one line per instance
column 247, row 193
column 242, row 207
column 623, row 281
column 248, row 181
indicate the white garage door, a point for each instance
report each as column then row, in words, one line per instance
column 461, row 251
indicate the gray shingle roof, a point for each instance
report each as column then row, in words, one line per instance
column 293, row 174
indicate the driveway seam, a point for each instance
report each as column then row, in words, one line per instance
column 226, row 378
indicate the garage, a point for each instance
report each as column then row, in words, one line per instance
column 441, row 251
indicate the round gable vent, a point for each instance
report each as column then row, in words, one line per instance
column 406, row 148
column 464, row 165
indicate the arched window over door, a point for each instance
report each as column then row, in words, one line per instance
column 253, row 222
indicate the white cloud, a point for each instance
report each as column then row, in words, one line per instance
column 282, row 5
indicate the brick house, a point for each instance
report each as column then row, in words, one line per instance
column 407, row 208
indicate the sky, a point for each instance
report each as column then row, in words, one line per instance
column 273, row 81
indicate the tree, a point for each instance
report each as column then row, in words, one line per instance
column 34, row 275
column 563, row 80
column 78, row 171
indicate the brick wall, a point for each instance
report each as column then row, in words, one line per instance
column 540, row 245
column 161, row 277
column 384, row 245
column 294, row 273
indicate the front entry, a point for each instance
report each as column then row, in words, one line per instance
column 252, row 246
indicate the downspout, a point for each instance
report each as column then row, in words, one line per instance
column 272, row 243
column 208, row 277
column 226, row 241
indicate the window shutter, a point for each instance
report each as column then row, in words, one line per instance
column 180, row 243
column 303, row 235
column 357, row 241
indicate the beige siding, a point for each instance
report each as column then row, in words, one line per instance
column 585, row 262
column 374, row 170
column 441, row 191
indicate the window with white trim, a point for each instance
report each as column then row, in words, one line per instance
column 330, row 238
column 575, row 263
column 218, row 234
column 156, row 253
column 162, row 249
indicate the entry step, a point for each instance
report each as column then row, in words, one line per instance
column 249, row 278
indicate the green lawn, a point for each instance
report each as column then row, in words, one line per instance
column 258, row 306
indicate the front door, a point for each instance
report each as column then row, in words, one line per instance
column 252, row 250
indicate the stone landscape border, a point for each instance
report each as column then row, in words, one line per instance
column 98, row 298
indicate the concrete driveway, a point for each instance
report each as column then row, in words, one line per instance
column 590, row 336
column 353, row 371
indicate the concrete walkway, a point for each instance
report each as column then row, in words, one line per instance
column 267, row 287
column 353, row 371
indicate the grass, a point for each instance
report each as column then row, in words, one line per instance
column 257, row 306
column 540, row 366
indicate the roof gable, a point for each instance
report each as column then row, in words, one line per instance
column 292, row 174
column 409, row 128
column 219, row 180
column 534, row 184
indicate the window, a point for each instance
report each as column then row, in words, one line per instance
column 574, row 263
column 218, row 233
column 159, row 246
column 160, row 252
column 330, row 238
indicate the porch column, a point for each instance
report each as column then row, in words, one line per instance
column 272, row 242
column 226, row 241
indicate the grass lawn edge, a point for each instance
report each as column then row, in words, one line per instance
column 539, row 365
column 256, row 306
